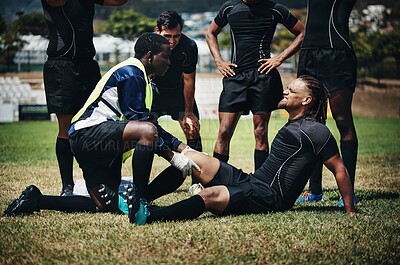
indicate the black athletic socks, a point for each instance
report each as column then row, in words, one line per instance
column 315, row 186
column 259, row 158
column 67, row 204
column 166, row 182
column 65, row 161
column 349, row 151
column 195, row 144
column 184, row 210
column 221, row 157
column 142, row 162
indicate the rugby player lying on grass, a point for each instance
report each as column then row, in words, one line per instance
column 302, row 142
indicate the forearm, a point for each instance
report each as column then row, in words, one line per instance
column 292, row 49
column 345, row 189
column 167, row 154
column 212, row 42
column 188, row 91
column 336, row 166
column 298, row 31
column 181, row 146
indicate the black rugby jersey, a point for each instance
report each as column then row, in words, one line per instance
column 71, row 29
column 327, row 24
column 294, row 151
column 252, row 28
column 183, row 60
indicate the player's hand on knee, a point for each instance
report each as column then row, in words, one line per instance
column 191, row 124
column 184, row 164
column 189, row 149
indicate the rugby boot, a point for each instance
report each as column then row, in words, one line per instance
column 26, row 203
column 138, row 208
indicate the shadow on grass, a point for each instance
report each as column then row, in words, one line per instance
column 367, row 195
column 316, row 208
column 332, row 195
column 373, row 195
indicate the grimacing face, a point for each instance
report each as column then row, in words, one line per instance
column 172, row 35
column 160, row 61
column 294, row 95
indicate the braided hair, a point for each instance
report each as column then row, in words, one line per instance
column 320, row 96
column 149, row 42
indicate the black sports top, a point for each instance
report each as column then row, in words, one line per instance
column 71, row 29
column 183, row 60
column 294, row 152
column 252, row 28
column 328, row 24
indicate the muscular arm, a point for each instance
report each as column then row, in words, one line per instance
column 190, row 121
column 224, row 67
column 335, row 164
column 268, row 64
column 188, row 91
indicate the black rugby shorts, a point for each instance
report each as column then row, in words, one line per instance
column 244, row 199
column 336, row 69
column 68, row 83
column 251, row 91
column 98, row 150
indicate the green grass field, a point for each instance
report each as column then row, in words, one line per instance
column 318, row 233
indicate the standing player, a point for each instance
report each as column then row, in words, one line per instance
column 251, row 81
column 70, row 73
column 327, row 54
column 175, row 90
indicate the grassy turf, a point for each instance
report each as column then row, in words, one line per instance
column 314, row 233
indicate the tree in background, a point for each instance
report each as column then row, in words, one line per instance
column 10, row 41
column 127, row 24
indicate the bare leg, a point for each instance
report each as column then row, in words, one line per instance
column 136, row 132
column 260, row 122
column 227, row 125
column 215, row 198
column 209, row 166
column 64, row 121
column 340, row 103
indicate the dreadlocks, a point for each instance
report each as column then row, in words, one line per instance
column 320, row 97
